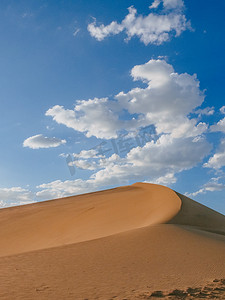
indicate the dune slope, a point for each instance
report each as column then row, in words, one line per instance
column 122, row 266
column 115, row 244
column 85, row 217
column 195, row 214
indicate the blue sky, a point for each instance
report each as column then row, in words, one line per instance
column 79, row 77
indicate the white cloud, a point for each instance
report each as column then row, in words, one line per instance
column 173, row 4
column 208, row 111
column 76, row 31
column 211, row 186
column 15, row 196
column 81, row 160
column 222, row 109
column 58, row 188
column 156, row 161
column 92, row 153
column 94, row 117
column 39, row 141
column 84, row 164
column 165, row 103
column 103, row 31
column 167, row 100
column 220, row 126
column 166, row 180
column 168, row 4
column 155, row 4
column 166, row 156
column 217, row 161
column 151, row 29
column 87, row 164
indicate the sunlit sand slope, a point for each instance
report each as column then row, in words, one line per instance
column 85, row 217
column 100, row 214
column 123, row 243
column 123, row 266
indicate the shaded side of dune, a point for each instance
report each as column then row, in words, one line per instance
column 195, row 214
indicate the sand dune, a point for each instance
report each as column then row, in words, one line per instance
column 123, row 243
column 85, row 217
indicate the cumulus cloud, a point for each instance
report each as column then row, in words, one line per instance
column 207, row 111
column 15, row 196
column 217, row 161
column 103, row 31
column 167, row 100
column 222, row 109
column 166, row 179
column 155, row 28
column 82, row 159
column 93, row 117
column 157, row 161
column 165, row 103
column 220, row 126
column 92, row 153
column 84, row 164
column 58, row 188
column 39, row 141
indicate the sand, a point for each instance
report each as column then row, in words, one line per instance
column 123, row 243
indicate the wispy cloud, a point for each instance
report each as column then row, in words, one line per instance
column 27, row 15
column 212, row 186
column 76, row 31
column 207, row 111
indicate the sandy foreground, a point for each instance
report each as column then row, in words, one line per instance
column 142, row 241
